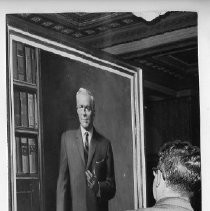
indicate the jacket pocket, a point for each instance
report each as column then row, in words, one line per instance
column 100, row 161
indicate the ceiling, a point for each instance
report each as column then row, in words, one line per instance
column 165, row 48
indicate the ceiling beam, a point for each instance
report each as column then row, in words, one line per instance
column 163, row 49
column 166, row 91
column 153, row 41
column 159, row 88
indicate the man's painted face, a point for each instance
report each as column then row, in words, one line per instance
column 85, row 111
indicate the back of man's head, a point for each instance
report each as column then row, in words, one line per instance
column 180, row 166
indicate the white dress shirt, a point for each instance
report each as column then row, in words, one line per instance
column 90, row 134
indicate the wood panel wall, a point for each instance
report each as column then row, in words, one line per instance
column 169, row 120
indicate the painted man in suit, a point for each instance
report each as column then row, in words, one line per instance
column 86, row 176
column 176, row 177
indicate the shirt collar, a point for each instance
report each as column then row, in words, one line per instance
column 176, row 201
column 90, row 132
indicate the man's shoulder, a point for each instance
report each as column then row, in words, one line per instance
column 70, row 133
column 146, row 209
column 101, row 137
column 168, row 208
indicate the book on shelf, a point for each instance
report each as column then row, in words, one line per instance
column 25, row 109
column 28, row 63
column 20, row 61
column 14, row 56
column 35, row 111
column 24, row 62
column 33, row 164
column 31, row 111
column 18, row 155
column 33, row 65
column 17, row 108
column 24, row 112
column 25, row 155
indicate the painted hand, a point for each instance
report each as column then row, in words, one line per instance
column 92, row 181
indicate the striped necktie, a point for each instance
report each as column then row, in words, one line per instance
column 86, row 146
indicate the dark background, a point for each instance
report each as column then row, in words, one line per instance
column 61, row 79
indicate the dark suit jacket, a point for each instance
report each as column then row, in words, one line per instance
column 169, row 204
column 73, row 194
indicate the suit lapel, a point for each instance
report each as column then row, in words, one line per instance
column 79, row 143
column 92, row 148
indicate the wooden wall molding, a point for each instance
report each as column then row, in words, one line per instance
column 153, row 41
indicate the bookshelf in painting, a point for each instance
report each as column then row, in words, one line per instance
column 27, row 139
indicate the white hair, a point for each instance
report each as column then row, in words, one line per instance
column 83, row 91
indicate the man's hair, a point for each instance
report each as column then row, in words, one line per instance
column 180, row 165
column 83, row 91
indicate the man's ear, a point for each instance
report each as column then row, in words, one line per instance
column 159, row 178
